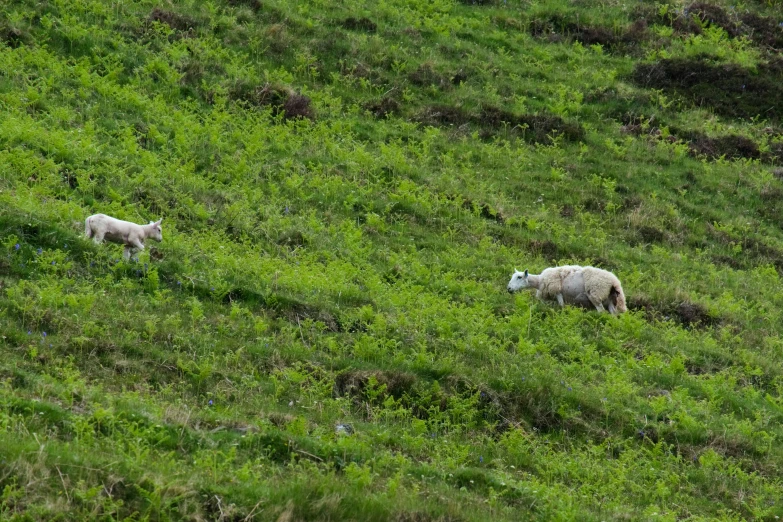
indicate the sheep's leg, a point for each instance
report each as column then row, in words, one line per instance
column 596, row 302
column 560, row 300
column 127, row 252
column 612, row 309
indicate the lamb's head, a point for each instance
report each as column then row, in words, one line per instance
column 155, row 231
column 518, row 281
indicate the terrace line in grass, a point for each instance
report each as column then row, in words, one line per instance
column 579, row 285
column 100, row 227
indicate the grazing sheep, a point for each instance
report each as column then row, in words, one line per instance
column 100, row 227
column 585, row 286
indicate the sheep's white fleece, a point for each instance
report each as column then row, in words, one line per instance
column 582, row 285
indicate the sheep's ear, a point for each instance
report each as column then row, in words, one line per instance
column 158, row 221
column 525, row 272
column 515, row 270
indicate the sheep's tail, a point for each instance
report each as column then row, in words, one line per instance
column 620, row 297
column 87, row 228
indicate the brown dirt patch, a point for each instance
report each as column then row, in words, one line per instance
column 763, row 30
column 283, row 100
column 775, row 153
column 255, row 5
column 12, row 36
column 353, row 383
column 298, row 106
column 727, row 261
column 426, row 75
column 732, row 146
column 459, row 77
column 533, row 128
column 778, row 173
column 296, row 312
column 694, row 314
column 545, row 248
column 445, row 115
column 730, row 90
column 567, row 211
column 687, row 313
column 711, row 14
column 754, row 247
column 383, row 107
column 483, row 210
column 650, row 234
column 557, row 28
column 175, row 21
column 595, row 205
column 292, row 239
column 359, row 24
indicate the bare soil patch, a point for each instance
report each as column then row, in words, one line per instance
column 283, row 100
column 13, row 37
column 730, row 90
column 426, row 75
column 545, row 248
column 354, row 383
column 383, row 107
column 557, row 28
column 359, row 24
column 175, row 21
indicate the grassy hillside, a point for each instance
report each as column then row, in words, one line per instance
column 346, row 187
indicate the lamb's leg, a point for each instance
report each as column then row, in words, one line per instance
column 137, row 246
column 560, row 300
column 127, row 252
column 612, row 309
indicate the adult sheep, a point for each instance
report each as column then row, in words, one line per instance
column 100, row 227
column 579, row 285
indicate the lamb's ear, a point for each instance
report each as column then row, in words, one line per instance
column 158, row 221
column 515, row 270
column 525, row 272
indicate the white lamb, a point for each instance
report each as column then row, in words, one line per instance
column 585, row 286
column 100, row 227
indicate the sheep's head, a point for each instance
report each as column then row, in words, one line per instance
column 156, row 232
column 518, row 281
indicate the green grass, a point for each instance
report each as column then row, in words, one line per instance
column 345, row 191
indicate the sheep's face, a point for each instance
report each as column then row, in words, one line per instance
column 157, row 233
column 518, row 281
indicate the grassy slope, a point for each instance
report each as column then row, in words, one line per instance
column 351, row 268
